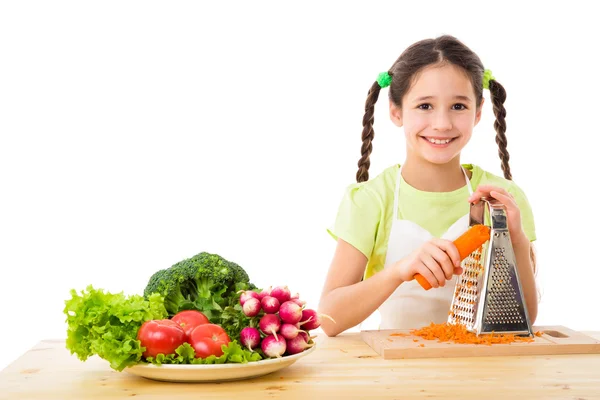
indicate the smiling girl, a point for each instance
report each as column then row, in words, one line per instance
column 403, row 221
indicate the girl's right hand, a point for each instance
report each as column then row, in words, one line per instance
column 436, row 260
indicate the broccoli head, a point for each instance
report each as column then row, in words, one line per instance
column 205, row 282
column 172, row 284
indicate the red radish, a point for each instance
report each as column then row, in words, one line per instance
column 250, row 338
column 264, row 292
column 251, row 307
column 289, row 331
column 270, row 304
column 273, row 347
column 316, row 319
column 270, row 324
column 290, row 312
column 281, row 293
column 301, row 303
column 304, row 334
column 295, row 296
column 297, row 345
column 247, row 294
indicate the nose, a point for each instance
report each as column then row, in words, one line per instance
column 441, row 121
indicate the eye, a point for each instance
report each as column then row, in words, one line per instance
column 459, row 107
column 425, row 106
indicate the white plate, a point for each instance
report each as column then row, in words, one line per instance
column 214, row 372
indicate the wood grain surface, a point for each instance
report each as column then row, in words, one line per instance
column 342, row 367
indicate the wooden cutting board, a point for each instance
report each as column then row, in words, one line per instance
column 554, row 340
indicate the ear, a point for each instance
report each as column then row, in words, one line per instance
column 395, row 114
column 478, row 115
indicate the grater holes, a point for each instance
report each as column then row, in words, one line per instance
column 463, row 308
column 502, row 298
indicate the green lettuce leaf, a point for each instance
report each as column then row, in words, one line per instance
column 232, row 353
column 233, row 320
column 106, row 325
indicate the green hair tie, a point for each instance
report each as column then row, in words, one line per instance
column 487, row 77
column 384, row 79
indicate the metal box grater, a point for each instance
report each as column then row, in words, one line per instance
column 488, row 297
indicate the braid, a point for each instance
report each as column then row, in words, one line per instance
column 498, row 95
column 367, row 134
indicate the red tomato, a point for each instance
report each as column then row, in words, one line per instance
column 160, row 336
column 207, row 340
column 190, row 319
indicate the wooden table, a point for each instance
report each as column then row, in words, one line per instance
column 341, row 367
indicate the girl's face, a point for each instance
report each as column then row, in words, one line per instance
column 438, row 114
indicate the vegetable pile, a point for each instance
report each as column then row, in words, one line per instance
column 202, row 310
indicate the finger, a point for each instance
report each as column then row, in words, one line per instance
column 489, row 188
column 450, row 249
column 422, row 281
column 426, row 274
column 488, row 191
column 477, row 195
column 442, row 258
column 504, row 198
column 484, row 190
column 436, row 270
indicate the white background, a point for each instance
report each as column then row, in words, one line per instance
column 137, row 134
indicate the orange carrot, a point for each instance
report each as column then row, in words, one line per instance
column 458, row 334
column 471, row 240
column 423, row 282
column 467, row 243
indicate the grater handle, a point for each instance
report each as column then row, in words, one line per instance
column 488, row 211
column 466, row 244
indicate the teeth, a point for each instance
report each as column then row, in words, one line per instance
column 437, row 141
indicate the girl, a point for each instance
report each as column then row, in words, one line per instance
column 403, row 221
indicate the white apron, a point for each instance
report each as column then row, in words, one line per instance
column 411, row 306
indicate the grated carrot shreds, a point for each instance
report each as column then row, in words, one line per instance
column 399, row 334
column 459, row 334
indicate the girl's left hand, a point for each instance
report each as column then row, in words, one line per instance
column 513, row 213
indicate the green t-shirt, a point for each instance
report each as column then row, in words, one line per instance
column 364, row 218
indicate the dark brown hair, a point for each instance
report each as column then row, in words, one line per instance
column 444, row 49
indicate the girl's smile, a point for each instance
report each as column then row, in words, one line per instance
column 438, row 142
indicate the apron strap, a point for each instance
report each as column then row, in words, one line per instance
column 396, row 194
column 468, row 181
